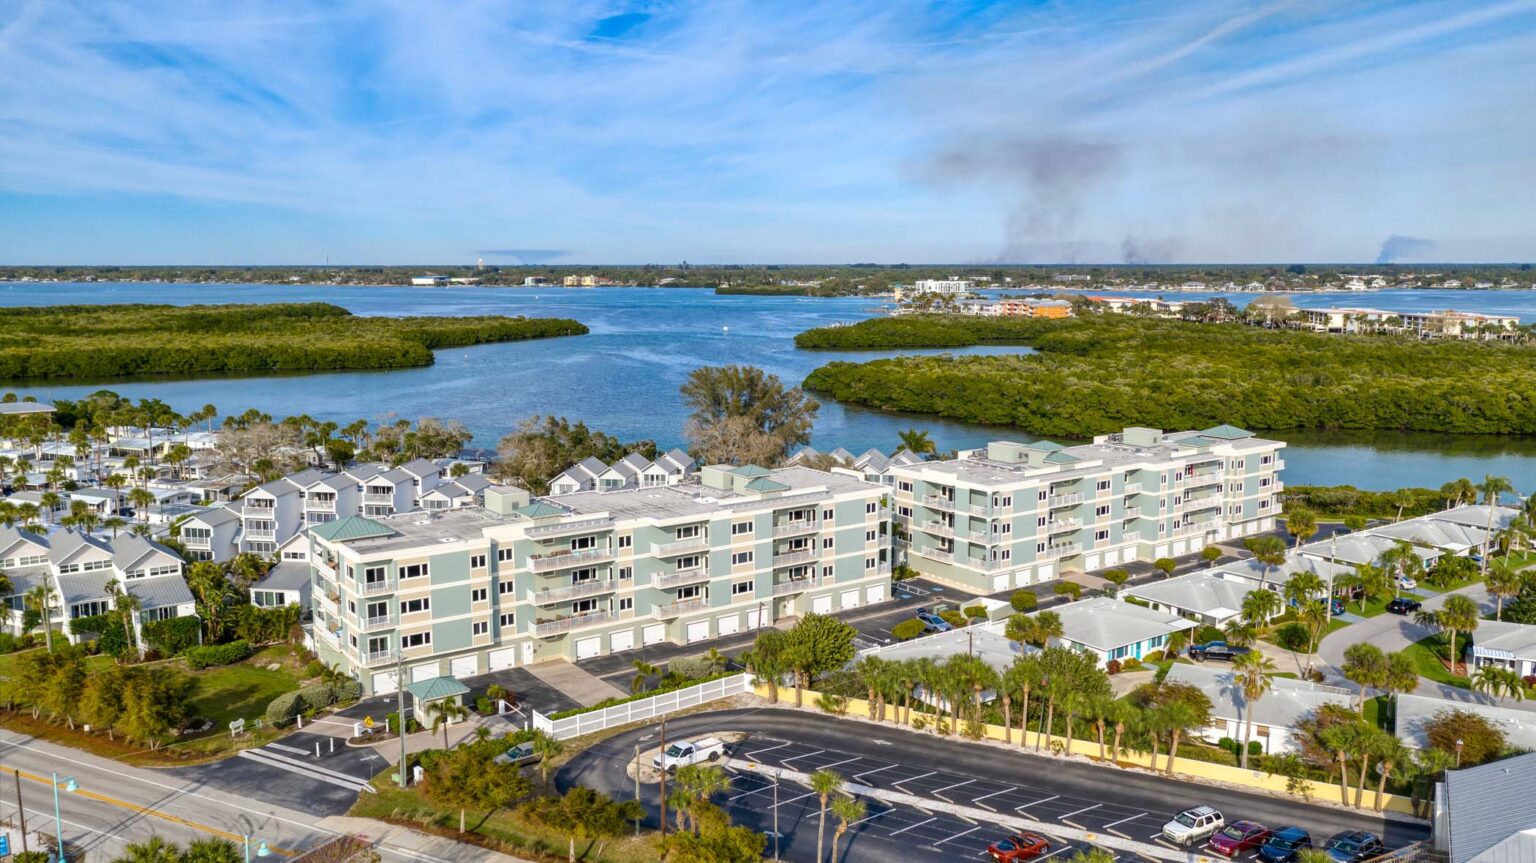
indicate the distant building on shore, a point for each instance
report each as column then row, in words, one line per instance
column 429, row 280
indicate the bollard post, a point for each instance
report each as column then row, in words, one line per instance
column 317, row 749
column 333, row 745
column 299, row 718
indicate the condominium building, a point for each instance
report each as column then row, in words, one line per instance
column 1016, row 514
column 522, row 579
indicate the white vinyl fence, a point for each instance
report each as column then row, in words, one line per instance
column 642, row 709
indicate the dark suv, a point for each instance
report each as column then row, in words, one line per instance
column 1404, row 605
column 1219, row 650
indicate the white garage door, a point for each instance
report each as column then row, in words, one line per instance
column 999, row 582
column 386, row 683
column 754, row 619
column 698, row 631
column 425, row 672
column 654, row 634
column 465, row 666
column 728, row 625
column 875, row 593
column 1161, row 550
column 622, row 640
column 500, row 660
column 586, row 648
column 1112, row 557
column 850, row 599
column 1093, row 562
column 822, row 605
column 1179, row 548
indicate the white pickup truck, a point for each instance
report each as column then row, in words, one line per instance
column 685, row 752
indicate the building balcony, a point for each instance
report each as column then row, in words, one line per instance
column 560, row 625
column 1200, row 526
column 331, row 637
column 328, row 601
column 259, row 535
column 590, row 587
column 792, row 586
column 939, row 501
column 374, row 657
column 372, row 587
column 557, row 560
column 315, row 504
column 1063, row 549
column 936, row 554
column 989, row 565
column 675, row 609
column 1131, row 512
column 983, row 537
column 1059, row 500
column 681, row 578
column 793, row 558
column 1061, row 525
column 327, row 566
column 381, row 622
column 938, row 528
column 1131, row 489
column 379, row 499
column 796, row 528
column 260, row 503
column 197, row 541
column 585, row 525
column 1206, row 501
column 682, row 546
column 1279, row 464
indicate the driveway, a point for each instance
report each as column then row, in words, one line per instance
column 1391, row 632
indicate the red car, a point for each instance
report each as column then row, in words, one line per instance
column 1239, row 836
column 1019, row 846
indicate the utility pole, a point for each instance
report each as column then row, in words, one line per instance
column 663, row 777
column 405, row 781
column 637, row 788
column 21, row 811
column 776, row 815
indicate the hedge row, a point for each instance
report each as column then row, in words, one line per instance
column 202, row 656
column 317, row 696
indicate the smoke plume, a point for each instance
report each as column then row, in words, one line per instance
column 1398, row 248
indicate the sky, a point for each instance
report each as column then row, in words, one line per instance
column 575, row 132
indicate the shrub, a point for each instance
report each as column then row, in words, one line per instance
column 346, row 689
column 833, row 704
column 1116, row 577
column 1023, row 600
column 1068, row 588
column 1165, row 565
column 907, row 630
column 1154, row 656
column 1293, row 636
column 1255, row 748
column 483, row 706
column 172, row 636
column 1131, row 663
column 392, row 723
column 1228, row 744
column 1112, row 667
column 314, row 668
column 952, row 617
column 1481, row 740
column 975, row 612
column 203, row 656
column 691, row 667
column 9, row 643
column 311, row 698
column 283, row 708
column 1208, row 633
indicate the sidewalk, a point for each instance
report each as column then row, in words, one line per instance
column 413, row 843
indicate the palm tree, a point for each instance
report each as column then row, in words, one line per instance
column 1458, row 490
column 848, row 810
column 1023, row 676
column 1403, row 561
column 50, row 501
column 40, row 599
column 1490, row 488
column 917, row 442
column 127, row 606
column 1269, row 552
column 154, row 850
column 1254, row 675
column 1314, row 615
column 445, row 712
column 696, row 784
column 1177, row 716
column 1505, row 580
column 548, row 748
column 1399, row 676
column 1458, row 614
column 824, row 783
column 1301, row 524
column 1261, row 605
column 1303, row 587
column 644, row 671
column 1498, row 681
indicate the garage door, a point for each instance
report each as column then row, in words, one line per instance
column 501, row 660
column 850, row 599
column 654, row 634
column 999, row 582
column 874, row 594
column 465, row 666
column 698, row 631
column 1093, row 562
column 586, row 648
column 1112, row 557
column 754, row 619
column 385, row 683
column 822, row 605
column 1161, row 550
column 622, row 640
column 1179, row 548
column 425, row 672
column 729, row 625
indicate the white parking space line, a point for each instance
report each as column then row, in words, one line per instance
column 836, row 763
column 914, row 778
column 859, row 777
column 1054, row 853
column 757, row 756
column 1081, row 811
column 758, row 790
column 918, row 824
column 939, row 793
column 1036, row 803
column 957, row 836
column 798, row 757
column 871, row 817
column 793, row 799
column 993, row 794
column 1110, row 828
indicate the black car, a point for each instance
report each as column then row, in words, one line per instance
column 1354, row 846
column 1404, row 605
column 1219, row 650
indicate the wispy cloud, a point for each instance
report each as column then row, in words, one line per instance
column 863, row 130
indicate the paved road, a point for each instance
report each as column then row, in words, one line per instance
column 1388, row 631
column 1133, row 805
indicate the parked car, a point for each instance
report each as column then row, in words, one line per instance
column 685, row 752
column 1336, row 606
column 518, row 755
column 1285, row 844
column 1239, row 837
column 1019, row 846
column 932, row 622
column 1405, row 583
column 1354, row 846
column 1404, row 605
column 1193, row 825
column 1219, row 650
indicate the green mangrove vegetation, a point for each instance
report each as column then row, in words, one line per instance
column 1098, row 374
column 120, row 340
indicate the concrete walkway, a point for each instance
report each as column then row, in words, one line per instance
column 576, row 682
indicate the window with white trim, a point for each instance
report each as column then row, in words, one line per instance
column 412, row 606
column 508, row 619
column 479, row 594
column 416, row 639
column 741, row 528
column 413, row 570
column 481, row 627
column 740, row 588
column 741, row 557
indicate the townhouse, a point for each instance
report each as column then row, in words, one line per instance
column 522, row 579
column 631, row 471
column 1275, row 717
column 1015, row 514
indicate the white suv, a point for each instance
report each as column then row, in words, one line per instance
column 1193, row 825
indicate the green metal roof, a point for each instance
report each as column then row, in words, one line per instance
column 351, row 527
column 1044, row 446
column 762, row 484
column 1226, row 432
column 1062, row 458
column 751, row 470
column 435, row 689
column 540, row 509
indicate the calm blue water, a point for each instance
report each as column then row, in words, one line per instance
column 623, row 377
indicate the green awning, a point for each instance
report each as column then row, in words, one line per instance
column 435, row 689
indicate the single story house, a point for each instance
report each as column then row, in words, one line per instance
column 1485, row 814
column 1111, row 629
column 1275, row 716
column 1209, row 598
column 1415, row 711
column 1512, row 645
column 287, row 583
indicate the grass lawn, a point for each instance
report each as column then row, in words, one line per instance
column 8, row 662
column 1428, row 654
column 1376, row 711
column 236, row 691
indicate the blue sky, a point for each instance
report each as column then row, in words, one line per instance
column 861, row 130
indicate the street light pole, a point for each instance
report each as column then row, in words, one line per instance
column 663, row 777
column 58, row 818
column 21, row 811
column 637, row 788
column 405, row 781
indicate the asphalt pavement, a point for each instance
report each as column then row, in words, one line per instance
column 1127, row 804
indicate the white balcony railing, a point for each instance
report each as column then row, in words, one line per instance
column 586, row 525
column 371, row 587
column 196, row 541
column 983, row 537
column 380, row 622
column 682, row 546
column 1133, row 488
column 1132, row 512
column 1065, row 499
column 939, row 528
column 797, row 585
column 1205, row 501
column 795, row 557
column 590, row 587
column 936, row 554
column 374, row 656
column 1061, row 525
column 261, row 534
column 665, row 612
column 1063, row 549
column 1201, row 526
column 376, row 498
column 796, row 528
column 546, row 628
column 939, row 501
column 565, row 559
column 680, row 578
column 315, row 504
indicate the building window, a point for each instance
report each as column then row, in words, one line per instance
column 1103, row 485
column 414, row 570
column 904, row 486
column 1100, row 535
column 503, row 554
column 871, row 508
column 870, row 563
column 741, row 587
column 416, row 639
column 1007, row 501
column 904, row 511
column 741, row 528
column 1044, row 494
column 626, row 541
column 626, row 573
column 1039, row 548
column 741, row 557
column 412, row 606
column 1101, row 511
column 481, row 627
column 479, row 594
column 870, row 536
column 508, row 619
column 826, row 542
column 626, row 603
column 828, row 515
column 504, row 588
column 477, row 561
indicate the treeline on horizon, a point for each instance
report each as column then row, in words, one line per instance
column 54, row 342
column 1098, row 374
